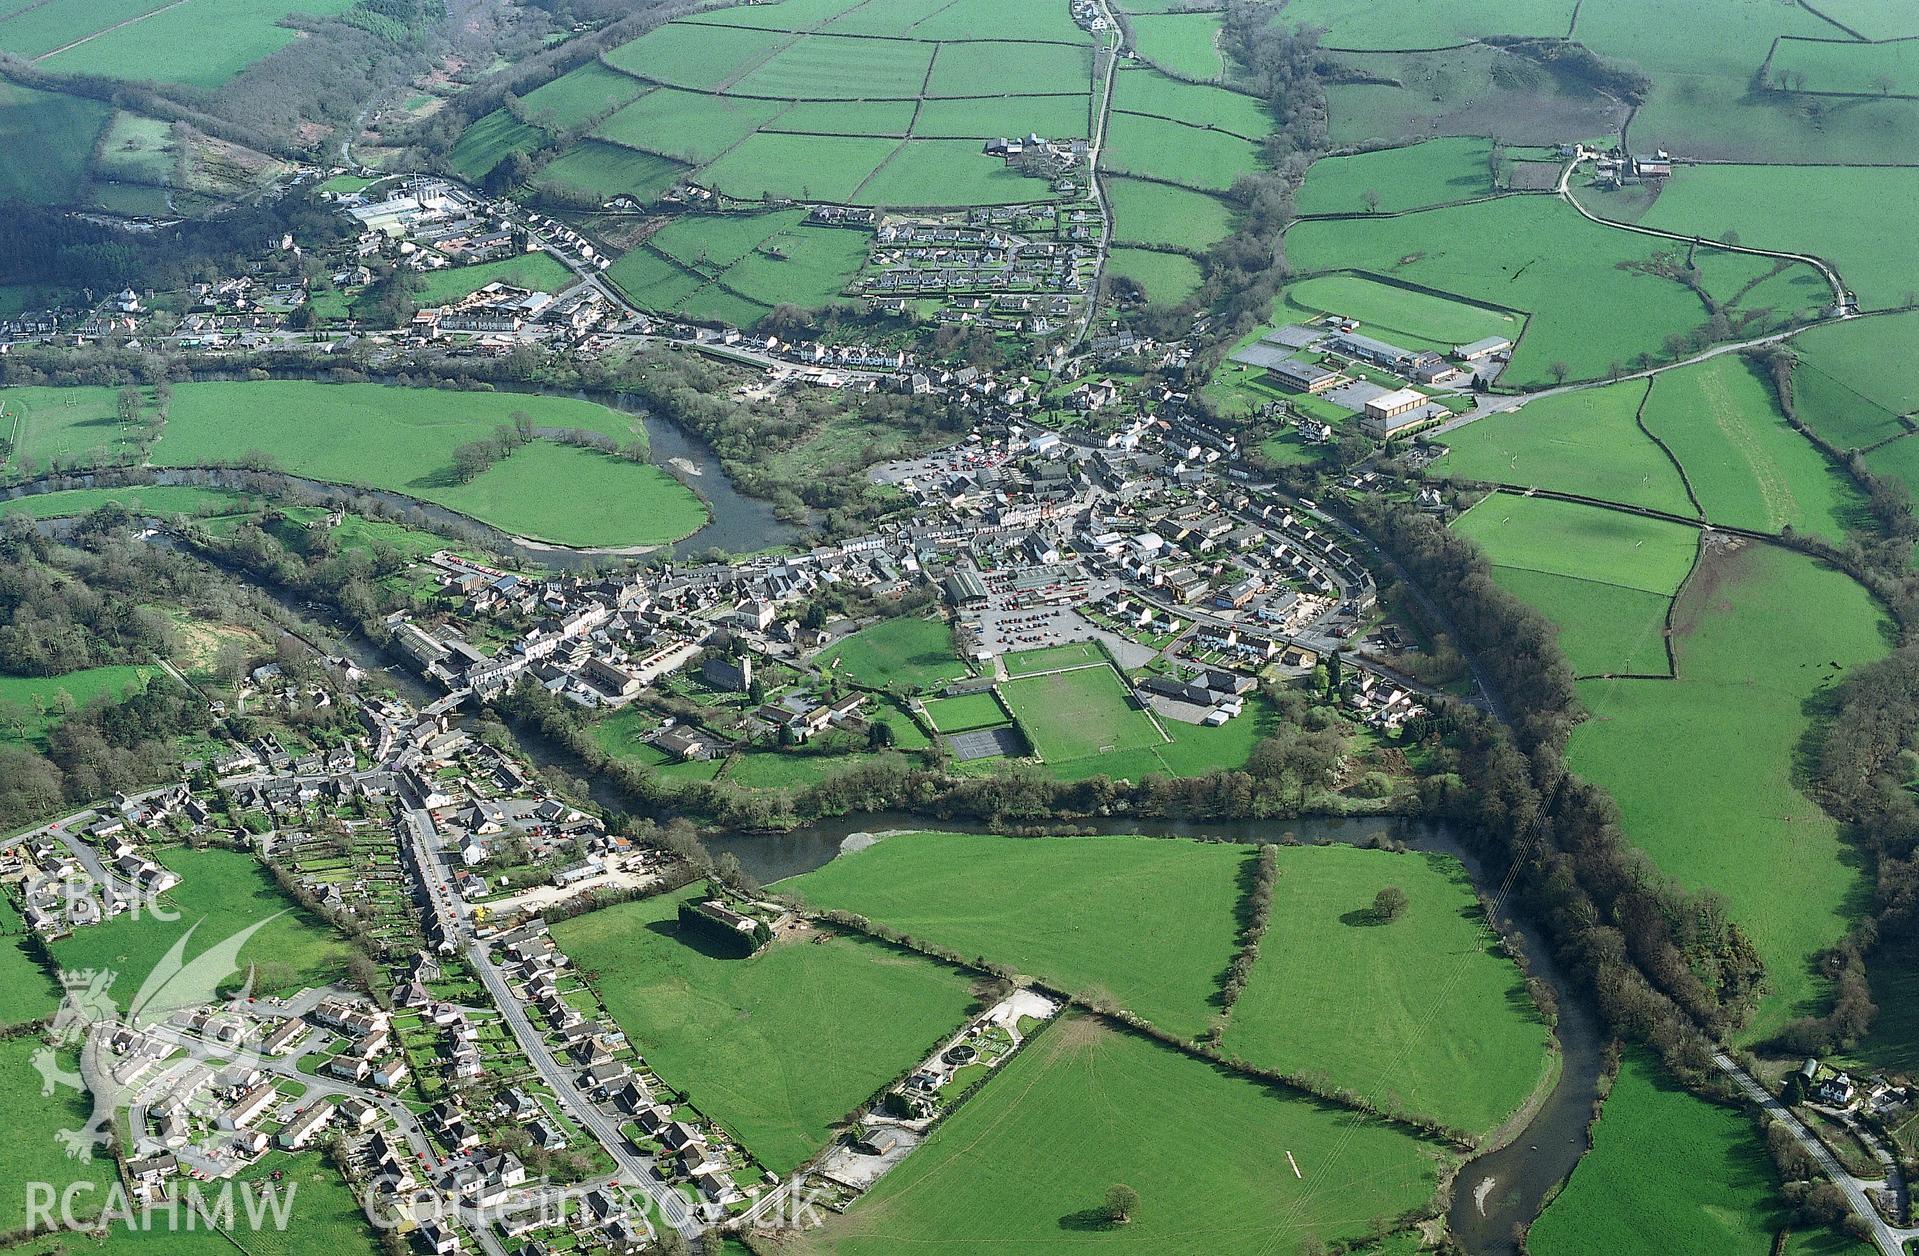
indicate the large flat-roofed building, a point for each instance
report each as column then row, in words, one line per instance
column 1309, row 377
column 1366, row 349
column 1394, row 412
column 1393, row 404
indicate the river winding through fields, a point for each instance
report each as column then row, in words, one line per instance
column 1494, row 1192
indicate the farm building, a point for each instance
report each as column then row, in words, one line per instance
column 1479, row 350
column 1656, row 165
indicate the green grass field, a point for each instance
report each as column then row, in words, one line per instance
column 1873, row 19
column 1525, row 252
column 897, row 20
column 1850, row 385
column 403, row 439
column 806, row 266
column 1702, row 59
column 1394, row 179
column 1168, row 278
column 797, row 167
column 824, row 69
column 1157, row 213
column 700, row 57
column 486, row 143
column 325, row 1217
column 1046, row 658
column 848, row 117
column 578, row 497
column 1193, row 156
column 1367, row 24
column 917, row 653
column 1445, row 1029
column 1002, row 20
column 1831, row 406
column 1604, row 629
column 321, row 1209
column 973, row 710
column 787, row 15
column 1793, row 292
column 57, row 424
column 1024, row 1165
column 32, row 1150
column 27, row 991
column 136, row 149
column 717, row 304
column 652, row 281
column 221, row 893
column 1409, row 97
column 810, row 101
column 1900, row 460
column 945, row 173
column 1142, row 90
column 1418, row 320
column 35, row 701
column 1193, row 751
column 1850, row 217
column 538, row 272
column 1849, row 67
column 1607, row 579
column 170, row 45
column 1196, row 750
column 1006, row 69
column 1148, row 923
column 1079, row 714
column 588, row 92
column 692, row 127
column 1747, row 467
column 33, row 30
column 1668, row 1173
column 786, row 769
column 1185, row 45
column 1582, row 542
column 1703, row 767
column 1584, row 442
column 607, row 171
column 778, row 1047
